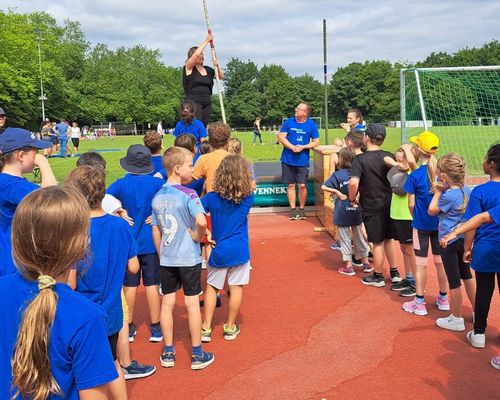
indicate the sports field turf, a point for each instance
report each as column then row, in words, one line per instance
column 472, row 142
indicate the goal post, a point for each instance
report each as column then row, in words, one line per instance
column 459, row 104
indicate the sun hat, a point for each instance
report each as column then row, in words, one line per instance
column 13, row 139
column 137, row 160
column 427, row 141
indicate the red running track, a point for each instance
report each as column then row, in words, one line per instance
column 308, row 332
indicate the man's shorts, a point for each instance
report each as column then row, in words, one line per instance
column 379, row 227
column 403, row 231
column 236, row 276
column 149, row 269
column 173, row 278
column 291, row 174
column 421, row 240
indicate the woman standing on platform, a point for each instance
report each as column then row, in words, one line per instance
column 198, row 81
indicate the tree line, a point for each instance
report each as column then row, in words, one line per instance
column 94, row 84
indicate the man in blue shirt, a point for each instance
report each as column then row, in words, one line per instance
column 297, row 135
column 62, row 135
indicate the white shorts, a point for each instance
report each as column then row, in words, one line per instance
column 236, row 276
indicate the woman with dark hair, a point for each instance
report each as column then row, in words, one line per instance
column 198, row 80
column 189, row 124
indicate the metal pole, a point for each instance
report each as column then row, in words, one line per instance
column 325, row 74
column 214, row 57
column 42, row 96
column 421, row 98
column 402, row 100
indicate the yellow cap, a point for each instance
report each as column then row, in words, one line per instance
column 427, row 141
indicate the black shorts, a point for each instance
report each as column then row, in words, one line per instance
column 403, row 231
column 75, row 141
column 291, row 174
column 421, row 240
column 455, row 267
column 379, row 227
column 173, row 278
column 149, row 269
column 113, row 342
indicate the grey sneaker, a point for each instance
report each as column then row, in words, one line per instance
column 301, row 214
column 294, row 214
column 373, row 280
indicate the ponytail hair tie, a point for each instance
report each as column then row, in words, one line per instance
column 45, row 282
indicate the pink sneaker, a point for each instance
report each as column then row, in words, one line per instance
column 346, row 271
column 443, row 303
column 415, row 308
column 495, row 362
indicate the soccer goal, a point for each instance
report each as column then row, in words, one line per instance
column 459, row 104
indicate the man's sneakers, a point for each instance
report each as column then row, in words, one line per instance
column 137, row 370
column 167, row 359
column 296, row 214
column 132, row 331
column 231, row 333
column 202, row 361
column 156, row 335
column 451, row 323
column 415, row 307
column 206, row 335
column 374, row 279
column 477, row 340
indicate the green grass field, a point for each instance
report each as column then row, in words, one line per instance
column 472, row 142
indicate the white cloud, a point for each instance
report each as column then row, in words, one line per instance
column 288, row 32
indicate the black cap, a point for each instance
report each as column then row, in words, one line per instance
column 137, row 160
column 2, row 112
column 376, row 131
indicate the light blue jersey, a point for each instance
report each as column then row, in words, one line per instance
column 175, row 208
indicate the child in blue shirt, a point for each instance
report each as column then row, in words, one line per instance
column 19, row 153
column 448, row 203
column 153, row 141
column 189, row 124
column 136, row 191
column 346, row 217
column 425, row 227
column 40, row 311
column 228, row 204
column 100, row 276
column 179, row 224
column 485, row 254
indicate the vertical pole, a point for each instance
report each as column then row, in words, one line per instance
column 402, row 102
column 42, row 96
column 325, row 74
column 421, row 98
column 214, row 57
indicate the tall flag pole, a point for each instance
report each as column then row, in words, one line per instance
column 325, row 73
column 214, row 57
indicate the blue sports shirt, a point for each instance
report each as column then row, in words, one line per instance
column 298, row 134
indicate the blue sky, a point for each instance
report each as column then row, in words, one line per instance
column 284, row 32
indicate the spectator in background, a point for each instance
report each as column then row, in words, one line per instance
column 62, row 129
column 75, row 137
column 3, row 120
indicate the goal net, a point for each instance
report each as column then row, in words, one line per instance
column 459, row 104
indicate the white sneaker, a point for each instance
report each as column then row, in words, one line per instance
column 451, row 323
column 477, row 340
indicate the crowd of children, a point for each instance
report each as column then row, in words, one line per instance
column 58, row 246
column 425, row 208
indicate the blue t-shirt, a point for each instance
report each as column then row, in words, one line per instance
column 79, row 352
column 12, row 190
column 195, row 128
column 495, row 214
column 62, row 129
column 450, row 216
column 344, row 214
column 486, row 251
column 298, row 134
column 136, row 193
column 158, row 166
column 229, row 230
column 175, row 208
column 419, row 185
column 100, row 276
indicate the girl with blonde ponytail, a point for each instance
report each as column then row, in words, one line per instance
column 53, row 342
column 449, row 203
column 425, row 227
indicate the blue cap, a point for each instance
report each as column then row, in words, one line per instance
column 13, row 139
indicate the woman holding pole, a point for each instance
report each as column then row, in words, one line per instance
column 198, row 80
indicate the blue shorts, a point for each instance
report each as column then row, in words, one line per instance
column 149, row 269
